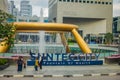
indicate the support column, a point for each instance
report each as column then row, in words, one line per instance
column 82, row 45
column 64, row 41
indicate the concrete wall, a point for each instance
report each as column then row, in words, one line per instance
column 4, row 5
column 88, row 26
column 93, row 17
column 52, row 10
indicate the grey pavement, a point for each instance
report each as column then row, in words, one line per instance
column 64, row 70
column 65, row 78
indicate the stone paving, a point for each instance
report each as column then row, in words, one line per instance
column 65, row 78
column 64, row 70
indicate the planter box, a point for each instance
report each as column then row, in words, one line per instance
column 112, row 59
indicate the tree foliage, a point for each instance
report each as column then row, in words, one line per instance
column 108, row 38
column 3, row 61
column 7, row 30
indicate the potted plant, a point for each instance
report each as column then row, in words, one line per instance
column 7, row 31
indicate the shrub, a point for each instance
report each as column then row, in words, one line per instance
column 3, row 61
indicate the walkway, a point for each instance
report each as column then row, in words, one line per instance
column 63, row 71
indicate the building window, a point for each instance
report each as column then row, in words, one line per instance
column 106, row 2
column 72, row 0
column 84, row 1
column 103, row 3
column 87, row 1
column 99, row 2
column 80, row 32
column 91, row 1
column 76, row 0
column 80, row 1
column 68, row 0
column 64, row 0
column 95, row 2
column 60, row 0
column 110, row 3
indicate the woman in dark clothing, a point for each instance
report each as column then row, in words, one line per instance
column 19, row 64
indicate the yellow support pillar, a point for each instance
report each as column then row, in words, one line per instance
column 64, row 41
column 83, row 46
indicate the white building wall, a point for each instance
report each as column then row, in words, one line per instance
column 93, row 27
column 4, row 5
column 94, row 17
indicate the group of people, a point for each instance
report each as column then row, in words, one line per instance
column 22, row 64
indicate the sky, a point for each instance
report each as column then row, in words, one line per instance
column 38, row 4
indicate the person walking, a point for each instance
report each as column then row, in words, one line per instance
column 36, row 64
column 19, row 64
column 40, row 62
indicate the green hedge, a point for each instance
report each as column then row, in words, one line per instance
column 3, row 61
